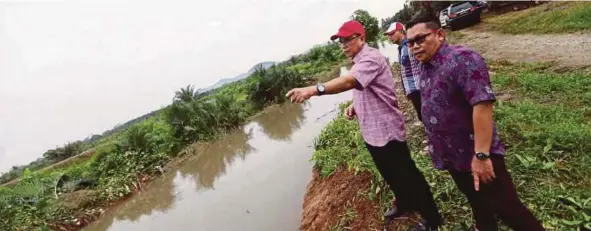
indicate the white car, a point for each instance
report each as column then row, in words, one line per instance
column 443, row 17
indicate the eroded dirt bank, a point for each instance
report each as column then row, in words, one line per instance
column 328, row 198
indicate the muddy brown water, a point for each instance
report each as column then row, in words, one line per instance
column 254, row 178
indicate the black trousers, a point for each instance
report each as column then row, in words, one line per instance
column 415, row 98
column 406, row 181
column 498, row 197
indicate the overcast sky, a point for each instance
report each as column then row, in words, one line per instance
column 69, row 69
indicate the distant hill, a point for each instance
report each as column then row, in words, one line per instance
column 224, row 81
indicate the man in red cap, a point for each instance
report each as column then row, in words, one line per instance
column 409, row 66
column 381, row 122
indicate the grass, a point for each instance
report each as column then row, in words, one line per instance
column 345, row 219
column 546, row 126
column 552, row 17
column 453, row 36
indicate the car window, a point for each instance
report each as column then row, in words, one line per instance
column 465, row 5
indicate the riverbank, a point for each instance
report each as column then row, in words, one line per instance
column 544, row 119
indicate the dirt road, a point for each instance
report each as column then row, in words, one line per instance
column 567, row 50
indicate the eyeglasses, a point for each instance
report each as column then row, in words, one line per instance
column 347, row 40
column 419, row 39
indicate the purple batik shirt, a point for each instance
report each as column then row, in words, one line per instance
column 453, row 82
column 375, row 103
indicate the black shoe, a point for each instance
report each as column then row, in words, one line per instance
column 394, row 212
column 423, row 226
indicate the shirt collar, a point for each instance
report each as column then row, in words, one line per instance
column 404, row 41
column 360, row 53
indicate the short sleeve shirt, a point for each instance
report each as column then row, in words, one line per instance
column 453, row 82
column 376, row 106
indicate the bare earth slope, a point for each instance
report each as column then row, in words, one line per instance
column 567, row 50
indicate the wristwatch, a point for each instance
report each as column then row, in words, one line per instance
column 482, row 155
column 320, row 88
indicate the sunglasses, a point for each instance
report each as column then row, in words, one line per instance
column 419, row 39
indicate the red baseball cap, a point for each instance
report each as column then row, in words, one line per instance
column 394, row 27
column 349, row 28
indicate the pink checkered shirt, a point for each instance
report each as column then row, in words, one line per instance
column 375, row 102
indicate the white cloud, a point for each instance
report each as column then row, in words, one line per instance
column 214, row 23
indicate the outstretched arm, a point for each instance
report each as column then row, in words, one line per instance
column 340, row 84
column 361, row 75
column 334, row 86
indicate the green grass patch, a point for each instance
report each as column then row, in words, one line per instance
column 546, row 127
column 553, row 17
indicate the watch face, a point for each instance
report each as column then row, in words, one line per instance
column 481, row 156
column 321, row 88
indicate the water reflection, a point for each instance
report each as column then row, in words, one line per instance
column 281, row 123
column 207, row 164
column 157, row 199
column 211, row 163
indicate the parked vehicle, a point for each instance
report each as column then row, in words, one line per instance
column 481, row 4
column 463, row 13
column 443, row 17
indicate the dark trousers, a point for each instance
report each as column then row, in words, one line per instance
column 406, row 181
column 498, row 197
column 415, row 98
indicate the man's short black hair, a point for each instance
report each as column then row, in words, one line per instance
column 426, row 17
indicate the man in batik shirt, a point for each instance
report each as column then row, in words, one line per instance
column 457, row 103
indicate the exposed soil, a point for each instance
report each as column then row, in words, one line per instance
column 566, row 50
column 326, row 199
column 327, row 202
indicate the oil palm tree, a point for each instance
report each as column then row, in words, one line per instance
column 187, row 94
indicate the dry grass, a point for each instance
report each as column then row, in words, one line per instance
column 553, row 17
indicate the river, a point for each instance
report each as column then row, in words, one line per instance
column 254, row 178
